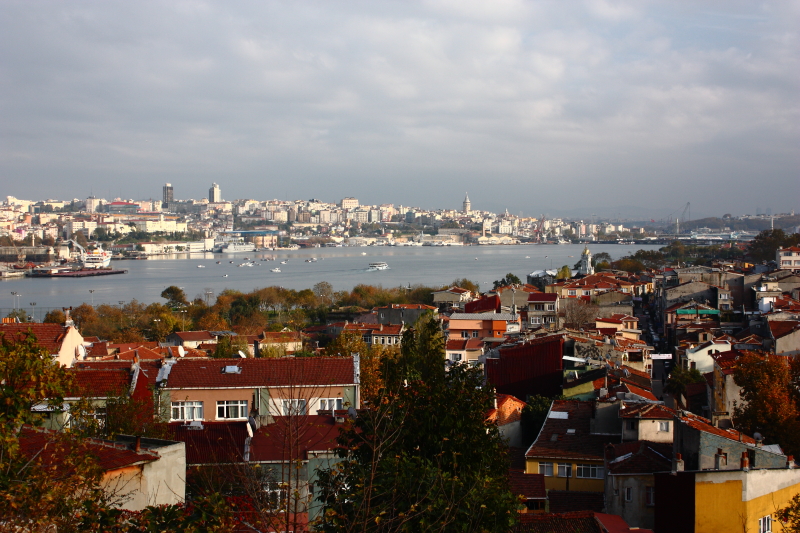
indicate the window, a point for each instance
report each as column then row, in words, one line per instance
column 628, row 494
column 650, row 496
column 630, row 425
column 564, row 470
column 663, row 426
column 232, row 409
column 723, row 296
column 535, row 320
column 475, row 334
column 455, row 357
column 546, row 469
column 551, row 307
column 572, row 293
column 187, row 410
column 590, row 471
column 330, row 404
column 587, row 293
column 465, row 334
column 538, row 307
column 276, row 494
column 765, row 524
column 294, row 407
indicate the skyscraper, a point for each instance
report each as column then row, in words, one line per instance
column 214, row 194
column 167, row 196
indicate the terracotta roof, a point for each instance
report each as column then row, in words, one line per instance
column 509, row 409
column 647, row 410
column 542, row 297
column 99, row 383
column 631, row 387
column 580, row 522
column 291, row 438
column 464, row 344
column 564, row 501
column 639, row 457
column 702, row 424
column 109, row 455
column 529, row 485
column 555, row 442
column 272, row 372
column 781, row 328
column 216, row 442
column 194, row 336
column 48, row 336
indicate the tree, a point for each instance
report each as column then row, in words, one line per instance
column 509, row 279
column 789, row 516
column 766, row 243
column 175, row 296
column 464, row 283
column 324, row 293
column 628, row 264
column 564, row 272
column 420, row 461
column 770, row 399
column 55, row 316
column 679, row 379
column 578, row 312
column 229, row 346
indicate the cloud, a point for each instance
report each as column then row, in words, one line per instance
column 401, row 102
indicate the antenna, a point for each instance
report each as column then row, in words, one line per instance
column 242, row 355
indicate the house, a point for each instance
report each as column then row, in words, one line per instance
column 137, row 471
column 190, row 339
column 724, row 392
column 784, row 336
column 63, row 342
column 452, row 297
column 402, row 313
column 630, row 483
column 531, row 488
column 740, row 498
column 284, row 342
column 482, row 325
column 646, row 422
column 701, row 356
column 788, row 258
column 618, row 322
column 507, row 415
column 461, row 350
column 526, row 367
column 566, row 452
column 543, row 310
column 235, row 389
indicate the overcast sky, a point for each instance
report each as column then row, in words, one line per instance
column 534, row 106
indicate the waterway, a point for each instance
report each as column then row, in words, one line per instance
column 343, row 268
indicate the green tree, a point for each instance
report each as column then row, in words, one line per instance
column 680, row 378
column 229, row 346
column 766, row 243
column 564, row 272
column 509, row 279
column 419, row 461
column 55, row 316
column 175, row 296
column 789, row 516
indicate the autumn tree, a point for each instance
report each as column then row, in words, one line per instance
column 564, row 272
column 770, row 400
column 175, row 296
column 578, row 312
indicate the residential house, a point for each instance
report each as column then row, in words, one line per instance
column 527, row 367
column 137, row 472
column 402, row 313
column 190, row 339
column 462, row 350
column 454, row 297
column 235, row 389
column 63, row 342
column 543, row 310
column 566, row 451
column 630, row 482
column 627, row 326
column 738, row 498
column 788, row 258
column 482, row 325
column 507, row 414
column 784, row 336
column 531, row 488
column 646, row 422
column 701, row 356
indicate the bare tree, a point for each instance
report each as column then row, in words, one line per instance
column 578, row 312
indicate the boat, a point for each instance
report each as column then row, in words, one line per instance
column 363, row 253
column 373, row 267
column 224, row 275
column 276, row 269
column 233, row 247
column 284, row 262
column 219, row 262
column 97, row 258
column 201, row 266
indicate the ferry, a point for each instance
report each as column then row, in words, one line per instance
column 276, row 269
column 233, row 247
column 97, row 258
column 373, row 267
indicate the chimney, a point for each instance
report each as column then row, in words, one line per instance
column 137, row 447
column 256, row 349
column 677, row 464
column 745, row 462
column 790, row 462
column 720, row 460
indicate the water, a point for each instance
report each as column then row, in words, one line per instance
column 343, row 268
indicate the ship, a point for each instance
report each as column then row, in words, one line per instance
column 373, row 267
column 233, row 247
column 93, row 259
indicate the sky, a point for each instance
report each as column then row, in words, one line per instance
column 598, row 107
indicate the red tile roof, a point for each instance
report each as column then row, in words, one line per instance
column 702, row 424
column 216, row 442
column 781, row 328
column 579, row 522
column 554, row 441
column 647, row 410
column 465, row 344
column 109, row 455
column 194, row 336
column 529, row 485
column 271, row 372
column 564, row 501
column 542, row 297
column 639, row 457
column 49, row 336
column 291, row 438
column 99, row 383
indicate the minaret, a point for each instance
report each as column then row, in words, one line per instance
column 467, row 204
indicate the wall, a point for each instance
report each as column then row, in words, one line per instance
column 635, row 512
column 563, row 483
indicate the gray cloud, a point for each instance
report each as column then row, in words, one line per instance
column 527, row 105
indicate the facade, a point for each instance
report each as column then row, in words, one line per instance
column 543, row 310
column 63, row 343
column 214, row 194
column 482, row 325
column 788, row 258
column 167, row 196
column 586, row 268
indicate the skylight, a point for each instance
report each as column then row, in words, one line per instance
column 562, row 415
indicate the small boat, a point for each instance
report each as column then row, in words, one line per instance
column 276, row 269
column 224, row 275
column 527, row 257
column 363, row 253
column 201, row 266
column 218, row 262
column 284, row 262
column 373, row 267
column 231, row 262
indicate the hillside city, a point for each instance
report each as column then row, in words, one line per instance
column 654, row 392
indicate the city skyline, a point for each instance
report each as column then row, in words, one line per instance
column 517, row 102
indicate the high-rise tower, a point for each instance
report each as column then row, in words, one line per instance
column 167, row 197
column 214, row 194
column 467, row 204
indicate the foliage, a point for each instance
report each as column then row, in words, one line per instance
column 229, row 346
column 509, row 279
column 766, row 243
column 175, row 296
column 19, row 314
column 628, row 264
column 789, row 516
column 419, row 461
column 464, row 283
column 680, row 378
column 55, row 316
column 564, row 272
column 578, row 312
column 770, row 399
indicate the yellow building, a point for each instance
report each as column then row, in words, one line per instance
column 722, row 501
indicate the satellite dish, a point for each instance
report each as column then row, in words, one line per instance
column 81, row 351
column 181, row 351
column 249, row 429
column 242, row 355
